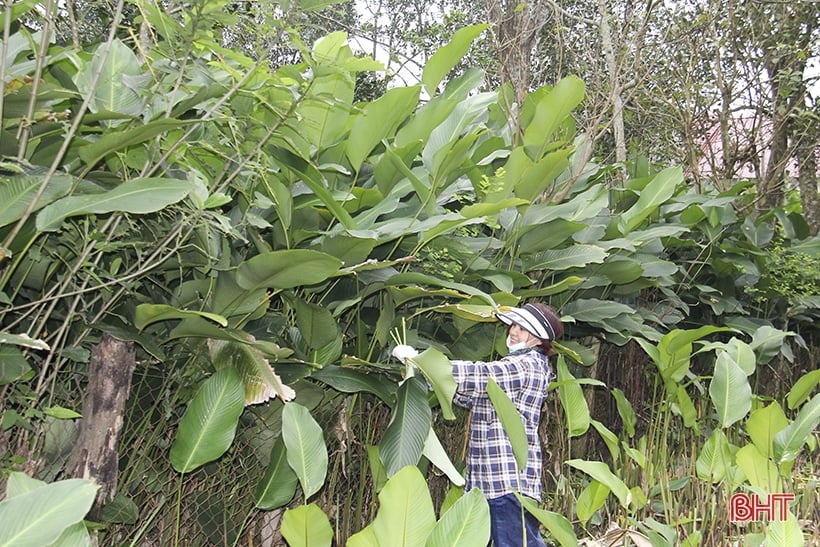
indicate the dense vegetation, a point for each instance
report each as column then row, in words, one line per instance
column 252, row 240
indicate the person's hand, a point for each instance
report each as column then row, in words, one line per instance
column 403, row 352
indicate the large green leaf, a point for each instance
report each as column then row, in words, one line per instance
column 39, row 516
column 785, row 533
column 763, row 424
column 17, row 192
column 307, row 452
column 118, row 72
column 434, row 452
column 730, row 390
column 802, row 388
column 446, row 57
column 439, row 371
column 601, row 472
column 113, row 141
column 306, row 526
column 552, row 108
column 557, row 524
column 136, row 196
column 286, row 269
column 403, row 440
column 278, row 485
column 309, row 174
column 571, row 396
column 563, row 259
column 661, row 188
column 147, row 314
column 789, row 441
column 316, row 323
column 715, row 459
column 465, row 524
column 511, row 421
column 591, row 498
column 348, row 380
column 406, row 514
column 209, row 424
column 323, row 112
column 760, row 471
column 377, row 120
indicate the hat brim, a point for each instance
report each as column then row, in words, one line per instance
column 526, row 320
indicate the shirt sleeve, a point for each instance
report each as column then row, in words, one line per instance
column 472, row 378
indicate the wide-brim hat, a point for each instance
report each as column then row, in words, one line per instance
column 533, row 320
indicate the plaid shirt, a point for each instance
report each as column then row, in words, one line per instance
column 524, row 376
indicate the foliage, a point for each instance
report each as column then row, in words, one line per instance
column 259, row 231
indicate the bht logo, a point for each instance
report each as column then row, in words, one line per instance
column 771, row 507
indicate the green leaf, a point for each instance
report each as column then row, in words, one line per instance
column 61, row 413
column 447, row 56
column 348, row 380
column 13, row 365
column 403, row 441
column 316, row 324
column 415, row 278
column 715, row 458
column 802, row 388
column 286, row 269
column 113, row 141
column 789, row 441
column 762, row 426
column 729, row 390
column 147, row 314
column 278, row 485
column 511, row 421
column 563, row 259
column 324, row 112
column 23, row 340
column 591, row 498
column 117, row 70
column 552, row 109
column 39, row 516
column 406, row 514
column 465, row 524
column 531, row 178
column 136, row 196
column 434, row 452
column 601, row 472
column 661, row 188
column 609, row 438
column 785, row 533
column 17, row 193
column 571, row 396
column 760, row 471
column 313, row 178
column 557, row 524
column 625, row 410
column 306, row 526
column 377, row 120
column 439, row 371
column 208, row 426
column 307, row 452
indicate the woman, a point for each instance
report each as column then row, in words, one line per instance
column 524, row 375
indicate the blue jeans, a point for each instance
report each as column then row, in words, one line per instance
column 505, row 524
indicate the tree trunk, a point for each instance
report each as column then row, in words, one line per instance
column 515, row 25
column 806, row 151
column 95, row 456
column 616, row 97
